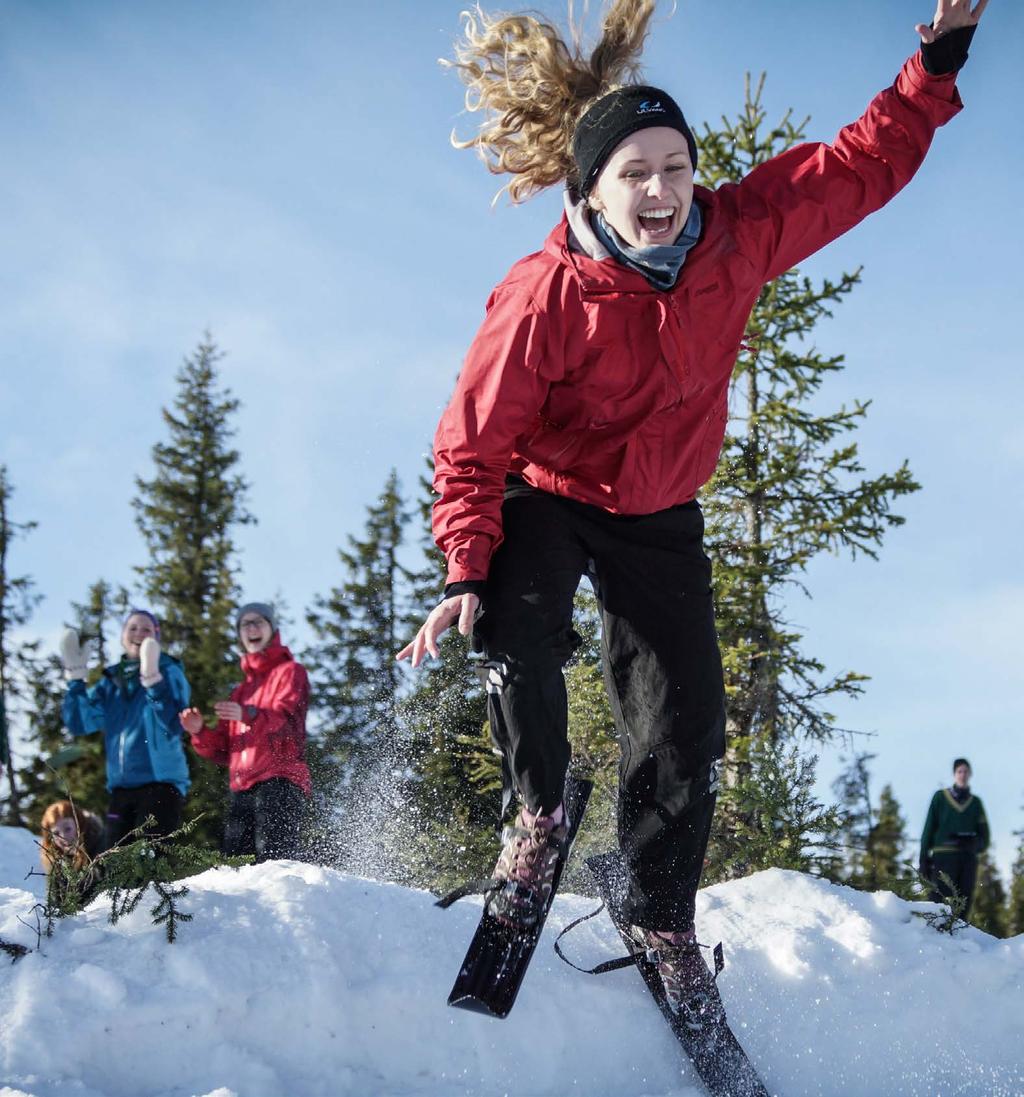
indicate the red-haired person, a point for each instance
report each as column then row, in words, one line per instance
column 74, row 836
column 261, row 737
column 70, row 831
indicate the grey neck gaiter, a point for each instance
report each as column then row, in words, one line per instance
column 660, row 264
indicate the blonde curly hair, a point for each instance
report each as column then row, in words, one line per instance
column 534, row 87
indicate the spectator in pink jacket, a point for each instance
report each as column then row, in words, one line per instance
column 261, row 737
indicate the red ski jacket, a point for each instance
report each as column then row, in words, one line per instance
column 588, row 382
column 271, row 740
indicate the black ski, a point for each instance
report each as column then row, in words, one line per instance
column 715, row 1052
column 497, row 959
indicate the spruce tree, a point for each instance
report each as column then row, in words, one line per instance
column 789, row 486
column 1015, row 900
column 59, row 770
column 18, row 599
column 777, row 820
column 885, row 866
column 187, row 515
column 354, row 677
column 853, row 791
column 452, row 794
column 989, row 910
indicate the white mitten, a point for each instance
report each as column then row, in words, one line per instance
column 72, row 656
column 149, row 662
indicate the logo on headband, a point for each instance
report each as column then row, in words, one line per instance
column 649, row 107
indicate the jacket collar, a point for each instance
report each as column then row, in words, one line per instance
column 259, row 662
column 575, row 245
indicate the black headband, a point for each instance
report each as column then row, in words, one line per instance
column 613, row 118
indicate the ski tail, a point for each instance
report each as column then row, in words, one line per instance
column 716, row 1054
column 498, row 956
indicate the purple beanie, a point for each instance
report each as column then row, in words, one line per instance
column 135, row 611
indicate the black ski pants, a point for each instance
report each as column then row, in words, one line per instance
column 129, row 807
column 662, row 668
column 265, row 820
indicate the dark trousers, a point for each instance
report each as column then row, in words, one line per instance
column 265, row 820
column 663, row 673
column 962, row 870
column 129, row 807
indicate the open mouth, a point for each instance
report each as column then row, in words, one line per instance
column 656, row 222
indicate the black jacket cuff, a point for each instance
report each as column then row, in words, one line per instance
column 947, row 53
column 467, row 586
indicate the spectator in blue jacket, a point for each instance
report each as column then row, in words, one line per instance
column 135, row 704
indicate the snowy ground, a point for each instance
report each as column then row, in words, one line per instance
column 295, row 981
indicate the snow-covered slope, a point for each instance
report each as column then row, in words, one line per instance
column 296, row 981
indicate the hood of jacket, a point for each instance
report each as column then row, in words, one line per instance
column 260, row 662
column 575, row 245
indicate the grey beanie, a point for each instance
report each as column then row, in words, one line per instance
column 265, row 611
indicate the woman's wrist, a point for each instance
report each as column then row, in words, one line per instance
column 948, row 53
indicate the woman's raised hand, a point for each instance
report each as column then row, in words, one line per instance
column 460, row 607
column 949, row 15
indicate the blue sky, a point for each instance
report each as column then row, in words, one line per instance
column 280, row 173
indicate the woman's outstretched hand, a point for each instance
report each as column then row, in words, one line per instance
column 949, row 15
column 191, row 720
column 460, row 607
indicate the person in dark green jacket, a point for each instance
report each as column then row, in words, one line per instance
column 955, row 832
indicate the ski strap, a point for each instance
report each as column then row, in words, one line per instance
column 633, row 959
column 600, row 969
column 488, row 885
column 481, row 886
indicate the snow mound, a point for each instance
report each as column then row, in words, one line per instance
column 298, row 981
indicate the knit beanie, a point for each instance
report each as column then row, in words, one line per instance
column 136, row 612
column 265, row 611
column 613, row 118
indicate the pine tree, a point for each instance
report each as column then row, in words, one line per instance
column 885, row 865
column 187, row 514
column 989, row 909
column 853, row 790
column 778, row 822
column 354, row 677
column 18, row 598
column 789, row 486
column 1015, row 901
column 452, row 795
column 58, row 770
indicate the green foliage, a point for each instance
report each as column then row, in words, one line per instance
column 57, row 771
column 989, row 910
column 187, row 514
column 13, row 949
column 884, row 863
column 1015, row 900
column 355, row 679
column 18, row 599
column 127, row 871
column 853, row 791
column 790, row 484
column 949, row 918
column 452, row 792
column 770, row 817
column 873, row 842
